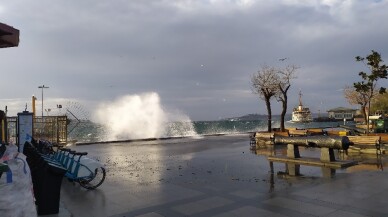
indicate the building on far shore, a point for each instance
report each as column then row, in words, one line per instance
column 341, row 113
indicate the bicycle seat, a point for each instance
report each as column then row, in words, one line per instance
column 81, row 153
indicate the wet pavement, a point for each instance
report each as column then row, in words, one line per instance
column 221, row 176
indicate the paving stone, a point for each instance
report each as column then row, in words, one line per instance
column 249, row 211
column 299, row 206
column 201, row 205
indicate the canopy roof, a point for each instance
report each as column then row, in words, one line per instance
column 342, row 109
column 9, row 36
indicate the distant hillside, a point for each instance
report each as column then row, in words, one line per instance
column 252, row 117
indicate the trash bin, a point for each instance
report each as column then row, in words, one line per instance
column 49, row 189
column 381, row 126
column 47, row 178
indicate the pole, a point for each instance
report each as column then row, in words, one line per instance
column 33, row 105
column 42, row 97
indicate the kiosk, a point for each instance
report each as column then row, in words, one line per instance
column 25, row 128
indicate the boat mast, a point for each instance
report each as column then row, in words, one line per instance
column 300, row 98
column 300, row 107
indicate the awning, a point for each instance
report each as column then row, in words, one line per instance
column 9, row 36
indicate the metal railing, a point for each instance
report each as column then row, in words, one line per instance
column 50, row 128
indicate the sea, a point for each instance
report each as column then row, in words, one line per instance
column 144, row 116
column 89, row 132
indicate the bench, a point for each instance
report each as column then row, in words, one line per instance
column 383, row 137
column 366, row 142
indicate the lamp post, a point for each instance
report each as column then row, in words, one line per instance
column 42, row 97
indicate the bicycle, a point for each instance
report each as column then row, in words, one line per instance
column 87, row 172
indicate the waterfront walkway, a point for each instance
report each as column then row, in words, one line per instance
column 193, row 178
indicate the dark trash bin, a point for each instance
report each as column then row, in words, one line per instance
column 47, row 178
column 381, row 126
column 49, row 189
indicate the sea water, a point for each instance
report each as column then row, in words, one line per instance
column 89, row 131
column 142, row 116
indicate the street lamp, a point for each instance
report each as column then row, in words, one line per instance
column 42, row 97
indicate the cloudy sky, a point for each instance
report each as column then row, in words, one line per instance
column 197, row 55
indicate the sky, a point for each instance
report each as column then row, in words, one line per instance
column 198, row 56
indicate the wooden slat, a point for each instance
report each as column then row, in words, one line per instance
column 365, row 140
column 297, row 132
column 282, row 134
column 264, row 135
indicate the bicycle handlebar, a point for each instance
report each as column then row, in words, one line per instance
column 65, row 149
column 81, row 153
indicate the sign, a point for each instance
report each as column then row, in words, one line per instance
column 25, row 128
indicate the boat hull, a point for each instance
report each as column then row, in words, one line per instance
column 302, row 117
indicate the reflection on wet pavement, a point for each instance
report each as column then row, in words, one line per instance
column 371, row 162
column 212, row 176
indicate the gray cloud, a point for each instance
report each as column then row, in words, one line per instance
column 198, row 55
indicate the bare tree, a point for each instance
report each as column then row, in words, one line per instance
column 265, row 83
column 357, row 98
column 285, row 77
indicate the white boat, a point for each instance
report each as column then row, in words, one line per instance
column 301, row 113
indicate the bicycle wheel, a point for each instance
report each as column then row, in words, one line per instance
column 94, row 180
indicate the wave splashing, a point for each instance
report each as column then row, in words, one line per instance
column 139, row 117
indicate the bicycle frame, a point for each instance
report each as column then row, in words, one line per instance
column 76, row 170
column 80, row 168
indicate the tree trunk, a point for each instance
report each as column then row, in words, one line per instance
column 269, row 112
column 363, row 109
column 283, row 114
column 367, row 123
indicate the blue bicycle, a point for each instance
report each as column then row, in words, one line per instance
column 87, row 172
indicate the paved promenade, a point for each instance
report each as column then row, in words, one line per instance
column 220, row 176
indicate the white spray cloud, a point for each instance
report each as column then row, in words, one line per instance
column 140, row 116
